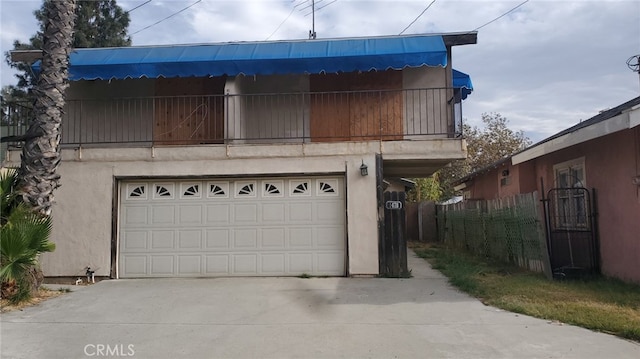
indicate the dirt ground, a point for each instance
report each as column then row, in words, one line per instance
column 43, row 294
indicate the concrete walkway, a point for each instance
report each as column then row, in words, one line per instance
column 420, row 317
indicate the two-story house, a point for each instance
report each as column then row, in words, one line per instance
column 247, row 158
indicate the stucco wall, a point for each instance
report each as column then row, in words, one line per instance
column 426, row 111
column 508, row 185
column 110, row 111
column 610, row 165
column 485, row 186
column 272, row 116
column 84, row 205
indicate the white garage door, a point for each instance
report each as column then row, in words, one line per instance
column 237, row 227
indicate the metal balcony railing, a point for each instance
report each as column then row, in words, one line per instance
column 253, row 118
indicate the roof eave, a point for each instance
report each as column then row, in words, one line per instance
column 463, row 38
column 605, row 123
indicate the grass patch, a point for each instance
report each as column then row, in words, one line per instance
column 602, row 304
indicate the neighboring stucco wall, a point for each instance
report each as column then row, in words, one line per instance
column 84, row 206
column 525, row 175
column 509, row 185
column 484, row 186
column 610, row 165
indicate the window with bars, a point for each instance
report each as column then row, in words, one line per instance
column 571, row 199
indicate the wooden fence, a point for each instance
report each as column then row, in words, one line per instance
column 508, row 229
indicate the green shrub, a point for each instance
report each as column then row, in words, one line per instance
column 23, row 236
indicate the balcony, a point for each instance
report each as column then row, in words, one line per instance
column 302, row 117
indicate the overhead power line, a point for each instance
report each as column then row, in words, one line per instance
column 282, row 23
column 321, row 7
column 501, row 16
column 166, row 18
column 139, row 6
column 416, row 19
column 288, row 16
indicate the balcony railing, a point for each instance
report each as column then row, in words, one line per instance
column 253, row 118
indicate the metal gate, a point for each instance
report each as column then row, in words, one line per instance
column 571, row 232
column 392, row 241
column 393, row 245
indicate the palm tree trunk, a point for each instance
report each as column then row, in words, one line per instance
column 41, row 154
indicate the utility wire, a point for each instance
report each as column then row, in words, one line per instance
column 139, row 6
column 501, row 16
column 170, row 16
column 321, row 7
column 282, row 23
column 416, row 19
column 288, row 16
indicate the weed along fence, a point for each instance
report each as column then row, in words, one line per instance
column 508, row 229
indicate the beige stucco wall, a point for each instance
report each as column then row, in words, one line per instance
column 84, row 205
column 111, row 111
column 261, row 114
column 425, row 107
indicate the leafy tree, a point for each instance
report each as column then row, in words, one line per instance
column 496, row 141
column 485, row 146
column 99, row 23
column 427, row 189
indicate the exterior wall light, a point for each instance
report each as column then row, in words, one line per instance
column 364, row 169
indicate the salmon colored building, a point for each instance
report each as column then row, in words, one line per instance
column 589, row 175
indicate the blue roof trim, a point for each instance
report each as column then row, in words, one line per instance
column 463, row 82
column 258, row 58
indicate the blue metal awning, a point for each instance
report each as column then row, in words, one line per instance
column 258, row 58
column 462, row 82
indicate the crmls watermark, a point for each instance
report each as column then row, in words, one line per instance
column 109, row 350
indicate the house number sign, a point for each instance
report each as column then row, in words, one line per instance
column 393, row 205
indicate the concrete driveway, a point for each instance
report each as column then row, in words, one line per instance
column 421, row 317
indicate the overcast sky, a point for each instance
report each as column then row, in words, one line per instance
column 545, row 66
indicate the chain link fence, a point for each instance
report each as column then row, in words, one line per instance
column 508, row 229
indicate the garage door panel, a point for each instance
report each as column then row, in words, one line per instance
column 232, row 228
column 218, row 213
column 217, row 239
column 246, row 264
column 162, row 240
column 163, row 214
column 245, row 213
column 190, row 239
column 273, row 238
column 301, row 263
column 328, row 262
column 273, row 213
column 190, row 214
column 245, row 239
column 217, row 264
column 301, row 238
column 162, row 265
column 273, row 264
column 135, row 241
column 189, row 265
column 301, row 212
column 136, row 214
column 135, row 265
column 326, row 213
column 330, row 236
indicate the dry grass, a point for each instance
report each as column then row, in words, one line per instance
column 43, row 294
column 602, row 304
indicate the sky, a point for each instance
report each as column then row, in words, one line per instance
column 545, row 66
